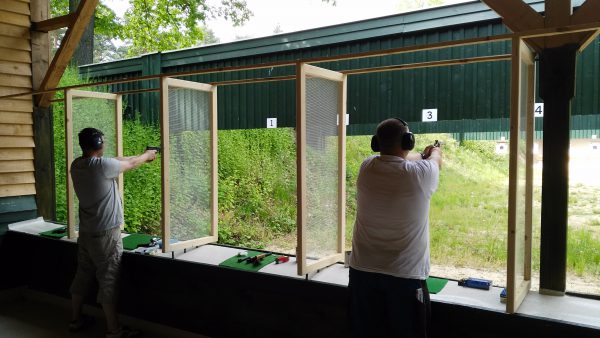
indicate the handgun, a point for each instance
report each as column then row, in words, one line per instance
column 153, row 148
column 436, row 144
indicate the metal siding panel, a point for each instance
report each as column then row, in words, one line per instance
column 459, row 92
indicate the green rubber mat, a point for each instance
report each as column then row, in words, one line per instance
column 436, row 285
column 55, row 233
column 233, row 262
column 132, row 241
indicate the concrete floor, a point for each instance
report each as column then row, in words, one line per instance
column 22, row 317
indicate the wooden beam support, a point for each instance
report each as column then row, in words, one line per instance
column 42, row 117
column 54, row 23
column 67, row 48
column 557, row 89
column 586, row 13
column 516, row 15
column 558, row 14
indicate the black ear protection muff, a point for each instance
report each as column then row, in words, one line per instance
column 97, row 141
column 407, row 140
column 91, row 139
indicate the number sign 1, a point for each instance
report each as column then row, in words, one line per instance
column 430, row 115
column 272, row 122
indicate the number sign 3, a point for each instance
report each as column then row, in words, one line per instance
column 429, row 115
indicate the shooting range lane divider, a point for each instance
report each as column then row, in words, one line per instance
column 435, row 285
column 241, row 263
column 57, row 233
column 132, row 241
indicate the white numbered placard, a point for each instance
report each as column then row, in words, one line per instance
column 538, row 110
column 429, row 115
column 272, row 122
column 347, row 120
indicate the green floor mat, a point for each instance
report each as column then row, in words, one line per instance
column 233, row 262
column 55, row 233
column 436, row 285
column 132, row 241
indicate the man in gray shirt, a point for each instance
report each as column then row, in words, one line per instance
column 99, row 247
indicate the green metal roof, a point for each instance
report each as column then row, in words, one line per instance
column 427, row 19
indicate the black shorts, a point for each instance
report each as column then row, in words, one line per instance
column 387, row 306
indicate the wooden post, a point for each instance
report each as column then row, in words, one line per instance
column 119, row 145
column 214, row 166
column 42, row 118
column 165, row 156
column 301, row 167
column 44, row 162
column 557, row 88
column 71, row 226
column 342, row 168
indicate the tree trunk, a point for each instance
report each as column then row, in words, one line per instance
column 84, row 54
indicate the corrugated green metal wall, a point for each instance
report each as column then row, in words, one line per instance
column 471, row 99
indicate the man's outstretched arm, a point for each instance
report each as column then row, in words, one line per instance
column 132, row 162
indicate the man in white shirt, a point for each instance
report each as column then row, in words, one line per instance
column 390, row 247
column 99, row 247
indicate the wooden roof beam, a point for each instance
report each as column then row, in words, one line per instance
column 53, row 24
column 586, row 13
column 558, row 14
column 518, row 16
column 84, row 12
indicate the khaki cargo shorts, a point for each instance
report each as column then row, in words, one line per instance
column 99, row 256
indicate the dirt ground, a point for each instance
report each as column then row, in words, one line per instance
column 498, row 277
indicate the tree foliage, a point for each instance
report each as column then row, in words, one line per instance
column 153, row 25
column 158, row 25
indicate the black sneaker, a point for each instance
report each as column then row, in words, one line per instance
column 82, row 323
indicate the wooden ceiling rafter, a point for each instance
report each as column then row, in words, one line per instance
column 518, row 16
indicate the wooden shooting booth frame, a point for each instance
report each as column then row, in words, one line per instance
column 165, row 84
column 70, row 95
column 520, row 188
column 304, row 71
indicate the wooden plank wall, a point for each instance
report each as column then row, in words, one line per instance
column 16, row 115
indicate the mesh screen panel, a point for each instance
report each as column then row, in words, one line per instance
column 189, row 163
column 521, row 173
column 322, row 108
column 94, row 113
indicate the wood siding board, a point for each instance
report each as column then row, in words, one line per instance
column 18, row 166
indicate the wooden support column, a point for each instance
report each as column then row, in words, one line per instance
column 44, row 162
column 557, row 89
column 42, row 118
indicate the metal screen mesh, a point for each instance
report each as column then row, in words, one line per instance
column 322, row 109
column 521, row 172
column 189, row 163
column 95, row 113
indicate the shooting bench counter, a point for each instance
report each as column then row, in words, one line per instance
column 191, row 292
